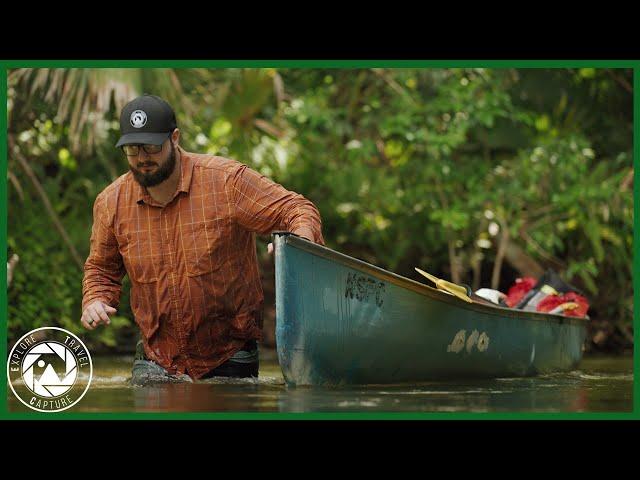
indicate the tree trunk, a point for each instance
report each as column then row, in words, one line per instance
column 47, row 204
column 522, row 262
column 453, row 263
column 476, row 265
column 497, row 266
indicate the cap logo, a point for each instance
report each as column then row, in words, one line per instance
column 138, row 119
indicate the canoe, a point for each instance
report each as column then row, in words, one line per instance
column 343, row 321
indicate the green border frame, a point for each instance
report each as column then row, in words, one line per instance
column 9, row 64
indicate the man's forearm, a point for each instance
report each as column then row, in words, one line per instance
column 106, row 294
column 101, row 284
column 305, row 232
column 104, row 267
column 305, row 222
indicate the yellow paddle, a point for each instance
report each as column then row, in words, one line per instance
column 454, row 289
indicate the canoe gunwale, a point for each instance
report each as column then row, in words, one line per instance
column 420, row 288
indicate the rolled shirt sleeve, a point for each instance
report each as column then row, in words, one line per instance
column 104, row 268
column 263, row 206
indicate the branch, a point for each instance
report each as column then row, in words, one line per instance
column 621, row 80
column 268, row 128
column 522, row 262
column 278, row 88
column 11, row 265
column 627, row 182
column 380, row 148
column 544, row 221
column 453, row 257
column 476, row 266
column 43, row 196
column 502, row 248
column 543, row 253
column 393, row 84
column 627, row 334
column 453, row 262
column 16, row 184
column 542, row 210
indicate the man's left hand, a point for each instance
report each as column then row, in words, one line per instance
column 304, row 232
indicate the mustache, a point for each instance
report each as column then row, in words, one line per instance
column 146, row 164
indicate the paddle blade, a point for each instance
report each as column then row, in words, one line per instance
column 452, row 288
column 428, row 275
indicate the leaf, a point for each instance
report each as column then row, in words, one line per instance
column 593, row 233
column 611, row 236
column 588, row 281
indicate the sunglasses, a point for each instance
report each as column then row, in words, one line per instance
column 133, row 150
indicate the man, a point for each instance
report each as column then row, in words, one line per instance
column 182, row 225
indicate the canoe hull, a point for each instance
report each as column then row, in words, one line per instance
column 342, row 321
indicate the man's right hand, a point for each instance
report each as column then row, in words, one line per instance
column 95, row 314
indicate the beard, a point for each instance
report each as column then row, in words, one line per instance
column 160, row 175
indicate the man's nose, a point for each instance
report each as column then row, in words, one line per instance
column 142, row 155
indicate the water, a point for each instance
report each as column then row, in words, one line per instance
column 600, row 384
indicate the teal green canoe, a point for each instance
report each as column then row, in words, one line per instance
column 340, row 321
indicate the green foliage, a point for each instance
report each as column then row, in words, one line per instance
column 46, row 287
column 409, row 167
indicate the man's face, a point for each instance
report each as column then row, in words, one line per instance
column 151, row 169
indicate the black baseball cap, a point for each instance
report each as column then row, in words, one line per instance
column 147, row 119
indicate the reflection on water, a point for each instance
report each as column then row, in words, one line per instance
column 599, row 385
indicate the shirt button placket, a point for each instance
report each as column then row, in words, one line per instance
column 173, row 288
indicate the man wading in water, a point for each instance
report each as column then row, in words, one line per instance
column 182, row 225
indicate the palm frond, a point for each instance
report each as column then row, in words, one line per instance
column 82, row 97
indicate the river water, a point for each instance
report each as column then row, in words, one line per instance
column 600, row 384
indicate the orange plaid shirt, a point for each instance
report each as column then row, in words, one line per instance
column 196, row 292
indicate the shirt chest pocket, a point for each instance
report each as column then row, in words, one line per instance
column 204, row 247
column 140, row 254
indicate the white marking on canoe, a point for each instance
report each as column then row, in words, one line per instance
column 471, row 341
column 483, row 342
column 457, row 344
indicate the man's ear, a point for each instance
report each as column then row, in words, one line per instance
column 175, row 137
